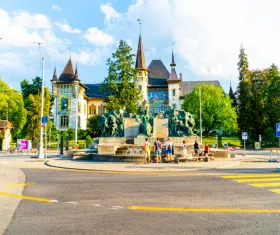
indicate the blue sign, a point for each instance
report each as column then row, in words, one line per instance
column 277, row 129
column 244, row 135
column 44, row 119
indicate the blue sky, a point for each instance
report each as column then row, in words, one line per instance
column 206, row 34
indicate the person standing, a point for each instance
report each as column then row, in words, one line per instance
column 196, row 148
column 147, row 149
column 168, row 150
column 185, row 149
column 157, row 145
column 206, row 149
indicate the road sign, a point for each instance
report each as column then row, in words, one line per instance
column 225, row 145
column 44, row 119
column 277, row 129
column 257, row 145
column 244, row 135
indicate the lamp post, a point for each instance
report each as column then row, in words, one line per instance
column 76, row 92
column 41, row 145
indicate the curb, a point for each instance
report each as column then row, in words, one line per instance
column 152, row 171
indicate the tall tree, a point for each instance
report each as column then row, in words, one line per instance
column 120, row 83
column 273, row 96
column 33, row 88
column 243, row 65
column 257, row 103
column 232, row 96
column 243, row 92
column 217, row 110
column 12, row 107
column 32, row 102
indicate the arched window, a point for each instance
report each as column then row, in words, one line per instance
column 93, row 107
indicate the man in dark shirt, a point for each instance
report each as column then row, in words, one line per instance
column 196, row 148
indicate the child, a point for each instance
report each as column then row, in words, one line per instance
column 147, row 149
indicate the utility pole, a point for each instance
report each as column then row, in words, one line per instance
column 41, row 146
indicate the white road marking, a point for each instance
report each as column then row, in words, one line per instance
column 5, row 163
column 96, row 204
column 71, row 202
column 117, row 207
column 54, row 201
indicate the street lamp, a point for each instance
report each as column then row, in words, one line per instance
column 41, row 146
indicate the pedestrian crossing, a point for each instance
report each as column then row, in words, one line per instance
column 270, row 181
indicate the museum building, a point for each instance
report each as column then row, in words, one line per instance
column 75, row 102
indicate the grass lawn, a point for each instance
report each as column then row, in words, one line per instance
column 231, row 140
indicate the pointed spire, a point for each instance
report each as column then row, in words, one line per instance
column 68, row 73
column 54, row 75
column 173, row 74
column 173, row 64
column 76, row 73
column 140, row 59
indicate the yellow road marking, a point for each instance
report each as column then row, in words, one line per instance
column 266, row 185
column 18, row 185
column 250, row 176
column 217, row 210
column 258, row 180
column 275, row 190
column 25, row 197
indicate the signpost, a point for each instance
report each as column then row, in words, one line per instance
column 226, row 145
column 278, row 131
column 257, row 146
column 45, row 121
column 260, row 139
column 244, row 137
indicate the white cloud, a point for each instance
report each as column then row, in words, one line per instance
column 207, row 34
column 109, row 11
column 11, row 60
column 65, row 27
column 83, row 57
column 31, row 21
column 98, row 37
column 56, row 7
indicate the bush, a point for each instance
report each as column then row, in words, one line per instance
column 89, row 141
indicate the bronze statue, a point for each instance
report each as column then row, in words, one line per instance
column 180, row 123
column 146, row 122
column 112, row 124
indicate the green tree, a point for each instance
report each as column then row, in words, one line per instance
column 32, row 103
column 94, row 126
column 256, row 108
column 243, row 65
column 243, row 93
column 12, row 107
column 120, row 83
column 217, row 110
column 273, row 97
column 232, row 97
column 33, row 88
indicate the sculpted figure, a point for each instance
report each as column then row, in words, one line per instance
column 180, row 123
column 112, row 124
column 146, row 123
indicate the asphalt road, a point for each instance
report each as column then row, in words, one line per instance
column 98, row 203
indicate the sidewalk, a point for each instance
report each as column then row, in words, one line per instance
column 132, row 167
